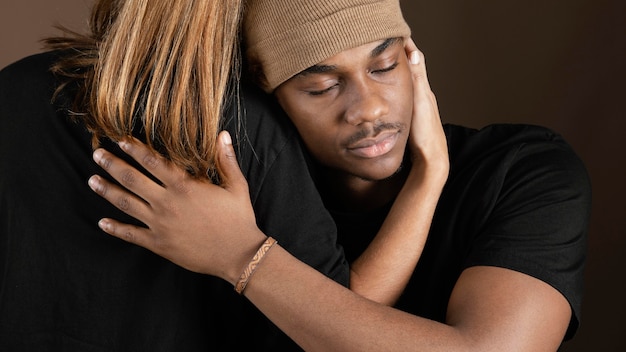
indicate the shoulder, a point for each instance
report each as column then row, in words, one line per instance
column 34, row 69
column 264, row 134
column 519, row 169
column 467, row 142
column 528, row 195
column 264, row 116
column 528, row 149
column 28, row 84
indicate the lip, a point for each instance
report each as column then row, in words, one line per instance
column 376, row 146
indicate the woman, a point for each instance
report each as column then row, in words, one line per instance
column 165, row 72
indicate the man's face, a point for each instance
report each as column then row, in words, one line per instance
column 354, row 109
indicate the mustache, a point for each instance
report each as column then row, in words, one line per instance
column 374, row 131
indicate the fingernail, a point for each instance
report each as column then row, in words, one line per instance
column 104, row 224
column 124, row 145
column 226, row 138
column 97, row 155
column 94, row 183
column 415, row 58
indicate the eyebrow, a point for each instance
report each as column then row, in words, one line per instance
column 384, row 46
column 320, row 68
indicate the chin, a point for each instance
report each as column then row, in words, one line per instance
column 381, row 173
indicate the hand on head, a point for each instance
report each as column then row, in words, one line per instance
column 427, row 140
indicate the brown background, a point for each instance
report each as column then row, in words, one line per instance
column 561, row 64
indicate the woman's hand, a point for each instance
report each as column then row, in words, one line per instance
column 200, row 226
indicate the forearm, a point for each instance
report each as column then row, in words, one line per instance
column 383, row 270
column 321, row 315
column 491, row 309
column 385, row 267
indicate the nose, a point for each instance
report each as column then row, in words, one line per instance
column 367, row 104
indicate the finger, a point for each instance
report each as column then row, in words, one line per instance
column 410, row 48
column 129, row 233
column 129, row 177
column 420, row 81
column 157, row 165
column 427, row 121
column 120, row 198
column 418, row 65
column 227, row 165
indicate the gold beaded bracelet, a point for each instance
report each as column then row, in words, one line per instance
column 251, row 267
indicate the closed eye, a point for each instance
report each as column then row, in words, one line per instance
column 321, row 92
column 386, row 69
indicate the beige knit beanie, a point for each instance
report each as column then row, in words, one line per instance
column 285, row 37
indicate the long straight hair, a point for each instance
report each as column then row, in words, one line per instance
column 162, row 65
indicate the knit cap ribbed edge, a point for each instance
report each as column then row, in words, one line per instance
column 288, row 36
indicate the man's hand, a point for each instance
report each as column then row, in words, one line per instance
column 200, row 226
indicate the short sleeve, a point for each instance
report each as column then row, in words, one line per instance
column 539, row 218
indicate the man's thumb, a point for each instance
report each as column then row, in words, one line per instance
column 227, row 166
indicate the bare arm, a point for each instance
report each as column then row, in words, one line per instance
column 491, row 309
column 383, row 270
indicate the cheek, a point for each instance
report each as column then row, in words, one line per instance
column 405, row 98
column 315, row 135
column 320, row 139
column 312, row 121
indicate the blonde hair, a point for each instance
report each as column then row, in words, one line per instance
column 161, row 65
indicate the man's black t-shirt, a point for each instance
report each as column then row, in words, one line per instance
column 67, row 286
column 517, row 197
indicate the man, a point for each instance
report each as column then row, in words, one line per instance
column 502, row 268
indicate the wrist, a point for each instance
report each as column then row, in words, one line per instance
column 245, row 251
column 430, row 172
column 250, row 268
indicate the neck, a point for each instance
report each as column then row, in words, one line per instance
column 352, row 193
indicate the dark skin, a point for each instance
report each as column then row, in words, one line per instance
column 382, row 271
column 490, row 309
column 360, row 174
